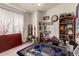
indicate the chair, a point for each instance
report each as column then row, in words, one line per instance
column 55, row 41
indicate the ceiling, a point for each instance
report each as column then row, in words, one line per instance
column 31, row 7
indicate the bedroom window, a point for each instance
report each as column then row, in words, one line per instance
column 10, row 22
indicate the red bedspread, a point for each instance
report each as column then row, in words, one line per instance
column 10, row 41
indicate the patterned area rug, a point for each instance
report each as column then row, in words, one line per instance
column 43, row 49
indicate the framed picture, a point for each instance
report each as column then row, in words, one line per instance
column 49, row 23
column 45, row 28
column 46, row 17
column 43, row 23
column 40, row 27
column 39, row 23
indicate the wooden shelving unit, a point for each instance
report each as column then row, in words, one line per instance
column 67, row 27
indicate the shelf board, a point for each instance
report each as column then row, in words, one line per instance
column 66, row 17
column 70, row 16
column 62, row 29
column 62, row 35
column 62, row 23
column 70, row 34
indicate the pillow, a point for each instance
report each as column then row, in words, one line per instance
column 55, row 39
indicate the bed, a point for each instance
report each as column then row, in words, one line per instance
column 44, row 49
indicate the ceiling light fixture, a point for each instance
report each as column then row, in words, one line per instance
column 39, row 4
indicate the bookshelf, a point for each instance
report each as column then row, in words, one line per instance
column 67, row 27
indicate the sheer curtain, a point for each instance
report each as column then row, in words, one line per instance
column 10, row 22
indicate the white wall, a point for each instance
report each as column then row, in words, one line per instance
column 36, row 17
column 27, row 20
column 39, row 19
column 11, row 8
column 32, row 18
column 34, row 22
column 59, row 9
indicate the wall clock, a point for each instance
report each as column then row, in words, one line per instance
column 54, row 18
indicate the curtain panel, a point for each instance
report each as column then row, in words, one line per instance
column 10, row 22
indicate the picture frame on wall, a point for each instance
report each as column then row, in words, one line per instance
column 40, row 27
column 43, row 23
column 49, row 23
column 45, row 28
column 39, row 23
column 46, row 17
